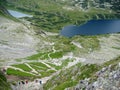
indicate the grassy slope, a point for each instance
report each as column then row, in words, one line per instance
column 3, row 83
column 64, row 46
column 70, row 77
column 39, row 67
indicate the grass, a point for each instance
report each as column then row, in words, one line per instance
column 64, row 63
column 38, row 56
column 4, row 85
column 35, row 57
column 2, row 77
column 65, row 85
column 114, row 61
column 56, row 55
column 39, row 64
column 39, row 67
column 88, row 71
column 54, row 66
column 11, row 71
column 47, row 73
column 88, row 43
column 64, row 78
column 44, row 56
column 116, row 48
column 22, row 66
column 63, row 44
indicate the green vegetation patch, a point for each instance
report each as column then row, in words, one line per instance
column 11, row 71
column 70, row 77
column 41, row 68
column 114, row 61
column 38, row 56
column 56, row 55
column 38, row 68
column 4, row 85
column 88, row 71
column 64, row 63
column 65, row 85
column 55, row 66
column 44, row 56
column 39, row 64
column 62, row 80
column 63, row 44
column 47, row 73
column 22, row 66
column 89, row 43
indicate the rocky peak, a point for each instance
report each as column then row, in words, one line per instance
column 108, row 78
column 87, row 4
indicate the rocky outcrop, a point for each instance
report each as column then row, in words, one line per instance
column 87, row 4
column 108, row 78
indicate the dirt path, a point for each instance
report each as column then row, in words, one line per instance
column 77, row 44
column 48, row 66
column 53, row 49
column 33, row 70
column 28, row 86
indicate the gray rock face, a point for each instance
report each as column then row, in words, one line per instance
column 87, row 4
column 107, row 79
column 16, row 40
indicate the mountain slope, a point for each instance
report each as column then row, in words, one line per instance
column 3, row 83
column 17, row 40
column 27, row 52
column 87, row 76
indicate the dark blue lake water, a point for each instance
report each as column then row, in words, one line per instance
column 93, row 27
